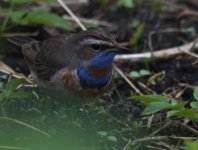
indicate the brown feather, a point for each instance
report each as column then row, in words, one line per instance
column 71, row 84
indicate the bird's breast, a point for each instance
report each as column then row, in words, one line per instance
column 72, row 85
column 99, row 74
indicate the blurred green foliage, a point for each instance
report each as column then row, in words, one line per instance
column 119, row 3
column 10, row 91
column 104, row 2
column 38, row 16
column 125, row 3
column 191, row 145
column 17, row 2
column 158, row 6
column 174, row 108
column 33, row 16
column 137, row 34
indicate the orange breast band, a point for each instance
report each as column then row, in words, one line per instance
column 98, row 74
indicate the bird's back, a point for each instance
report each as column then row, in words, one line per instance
column 46, row 57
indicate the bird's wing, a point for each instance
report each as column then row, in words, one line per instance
column 44, row 58
column 53, row 56
column 20, row 40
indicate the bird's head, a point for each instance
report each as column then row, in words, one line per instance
column 96, row 51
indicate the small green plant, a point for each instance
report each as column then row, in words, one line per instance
column 158, row 7
column 174, row 108
column 191, row 145
column 104, row 134
column 139, row 74
column 125, row 3
column 104, row 2
column 118, row 4
column 158, row 79
column 137, row 34
column 195, row 95
column 10, row 91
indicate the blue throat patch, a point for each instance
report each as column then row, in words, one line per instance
column 99, row 62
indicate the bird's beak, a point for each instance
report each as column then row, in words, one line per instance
column 122, row 50
column 119, row 49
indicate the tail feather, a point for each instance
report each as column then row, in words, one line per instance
column 20, row 41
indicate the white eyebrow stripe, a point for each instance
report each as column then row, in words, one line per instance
column 90, row 41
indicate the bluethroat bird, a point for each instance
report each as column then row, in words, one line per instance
column 77, row 64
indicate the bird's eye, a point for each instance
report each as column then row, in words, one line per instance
column 96, row 47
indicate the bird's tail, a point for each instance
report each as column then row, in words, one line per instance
column 20, row 40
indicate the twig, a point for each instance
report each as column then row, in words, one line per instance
column 155, row 138
column 90, row 21
column 168, row 146
column 150, row 119
column 154, row 77
column 189, row 128
column 159, row 54
column 69, row 2
column 72, row 15
column 187, row 85
column 158, row 138
column 126, row 147
column 154, row 147
column 187, row 13
column 126, row 79
column 150, row 41
column 26, row 125
column 180, row 93
column 190, row 54
column 146, row 89
column 183, row 138
column 120, row 122
column 7, row 70
column 7, row 18
column 160, row 129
